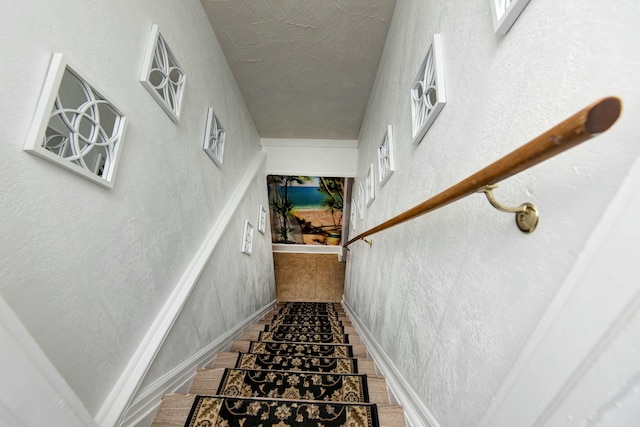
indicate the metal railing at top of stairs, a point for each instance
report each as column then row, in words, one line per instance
column 584, row 125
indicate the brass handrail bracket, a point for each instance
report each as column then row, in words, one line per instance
column 526, row 214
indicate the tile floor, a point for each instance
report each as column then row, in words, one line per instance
column 308, row 277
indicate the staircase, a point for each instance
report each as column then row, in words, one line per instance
column 303, row 364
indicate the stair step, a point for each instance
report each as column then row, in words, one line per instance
column 175, row 408
column 255, row 336
column 243, row 346
column 229, row 359
column 207, row 382
column 261, row 327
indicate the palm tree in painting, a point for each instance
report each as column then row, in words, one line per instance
column 333, row 188
column 281, row 203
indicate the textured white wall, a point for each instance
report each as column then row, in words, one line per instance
column 453, row 297
column 314, row 157
column 87, row 269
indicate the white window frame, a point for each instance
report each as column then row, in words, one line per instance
column 504, row 13
column 386, row 157
column 44, row 111
column 157, row 47
column 423, row 111
column 214, row 138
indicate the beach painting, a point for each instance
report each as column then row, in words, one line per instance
column 306, row 210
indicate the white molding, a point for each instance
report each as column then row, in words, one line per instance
column 149, row 399
column 28, row 366
column 305, row 249
column 119, row 399
column 415, row 412
column 309, row 143
column 558, row 356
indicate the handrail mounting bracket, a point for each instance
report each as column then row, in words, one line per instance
column 526, row 214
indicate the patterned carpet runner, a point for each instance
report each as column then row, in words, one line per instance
column 299, row 372
column 297, row 364
column 212, row 411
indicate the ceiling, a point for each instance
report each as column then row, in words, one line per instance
column 305, row 67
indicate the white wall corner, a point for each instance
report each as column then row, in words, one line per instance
column 415, row 411
column 119, row 399
column 149, row 399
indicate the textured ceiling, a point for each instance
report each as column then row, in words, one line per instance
column 305, row 67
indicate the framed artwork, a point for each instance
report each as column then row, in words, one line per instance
column 162, row 76
column 75, row 126
column 214, row 138
column 370, row 185
column 247, row 238
column 428, row 91
column 386, row 162
column 504, row 13
column 262, row 220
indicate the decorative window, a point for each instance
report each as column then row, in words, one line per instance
column 354, row 217
column 386, row 164
column 162, row 76
column 370, row 185
column 504, row 13
column 247, row 238
column 262, row 220
column 360, row 201
column 75, row 126
column 428, row 93
column 214, row 138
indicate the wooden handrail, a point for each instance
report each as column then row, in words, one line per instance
column 585, row 124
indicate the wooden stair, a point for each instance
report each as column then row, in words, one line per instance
column 175, row 408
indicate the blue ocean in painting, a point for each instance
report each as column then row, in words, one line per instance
column 304, row 197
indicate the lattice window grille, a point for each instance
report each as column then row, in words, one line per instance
column 428, row 91
column 214, row 138
column 361, row 199
column 386, row 161
column 262, row 220
column 75, row 126
column 370, row 185
column 504, row 13
column 162, row 76
column 247, row 238
column 354, row 216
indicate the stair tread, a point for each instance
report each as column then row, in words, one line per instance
column 175, row 407
column 228, row 360
column 207, row 381
column 255, row 336
column 243, row 346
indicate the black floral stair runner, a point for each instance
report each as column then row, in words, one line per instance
column 336, row 365
column 300, row 372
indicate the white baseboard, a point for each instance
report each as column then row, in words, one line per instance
column 121, row 395
column 415, row 412
column 149, row 399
